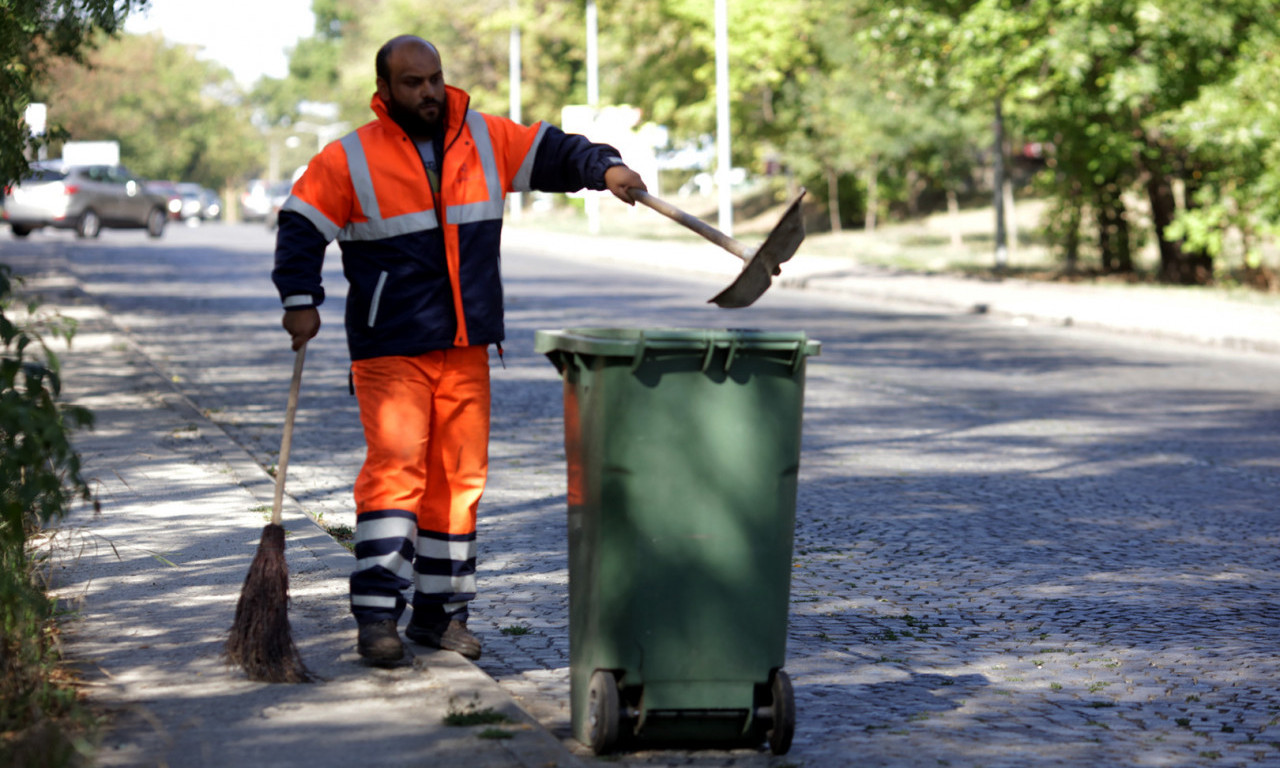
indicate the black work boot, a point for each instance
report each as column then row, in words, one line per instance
column 379, row 643
column 449, row 634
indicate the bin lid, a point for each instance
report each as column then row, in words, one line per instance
column 631, row 342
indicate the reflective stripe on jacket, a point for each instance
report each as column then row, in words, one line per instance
column 423, row 273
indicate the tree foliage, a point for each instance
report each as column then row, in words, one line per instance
column 1155, row 114
column 1111, row 86
column 176, row 116
column 33, row 35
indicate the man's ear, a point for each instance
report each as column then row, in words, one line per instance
column 384, row 90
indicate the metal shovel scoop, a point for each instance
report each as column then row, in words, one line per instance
column 762, row 262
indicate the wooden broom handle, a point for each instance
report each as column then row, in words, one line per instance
column 286, row 441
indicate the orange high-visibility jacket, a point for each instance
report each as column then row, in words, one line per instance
column 423, row 272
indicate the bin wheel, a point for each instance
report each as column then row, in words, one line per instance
column 603, row 711
column 784, row 714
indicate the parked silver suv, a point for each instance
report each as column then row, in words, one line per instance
column 85, row 198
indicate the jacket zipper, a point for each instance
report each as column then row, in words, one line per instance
column 445, row 146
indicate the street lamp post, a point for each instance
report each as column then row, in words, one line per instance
column 723, row 157
column 515, row 75
column 592, row 201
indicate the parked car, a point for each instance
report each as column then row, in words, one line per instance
column 281, row 194
column 85, row 198
column 210, row 205
column 190, row 203
column 168, row 190
column 261, row 198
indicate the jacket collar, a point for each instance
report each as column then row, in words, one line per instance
column 457, row 102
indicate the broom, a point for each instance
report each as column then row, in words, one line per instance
column 261, row 641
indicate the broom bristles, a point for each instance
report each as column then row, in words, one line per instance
column 261, row 641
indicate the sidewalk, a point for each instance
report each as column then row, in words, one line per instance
column 149, row 578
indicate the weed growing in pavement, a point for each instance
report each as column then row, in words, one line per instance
column 471, row 714
column 344, row 534
column 494, row 733
column 516, row 629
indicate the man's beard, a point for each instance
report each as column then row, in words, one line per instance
column 412, row 121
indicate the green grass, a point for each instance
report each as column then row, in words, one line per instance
column 343, row 534
column 471, row 716
column 494, row 733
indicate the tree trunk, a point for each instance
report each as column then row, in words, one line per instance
column 1002, row 243
column 914, row 185
column 873, row 200
column 1071, row 229
column 1114, row 244
column 833, row 199
column 1010, row 217
column 953, row 218
column 1176, row 265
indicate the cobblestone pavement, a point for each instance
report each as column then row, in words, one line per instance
column 1015, row 545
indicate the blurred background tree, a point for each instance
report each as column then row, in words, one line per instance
column 1146, row 126
column 175, row 116
column 33, row 35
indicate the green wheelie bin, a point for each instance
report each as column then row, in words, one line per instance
column 682, row 448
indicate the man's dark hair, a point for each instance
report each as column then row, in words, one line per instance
column 380, row 66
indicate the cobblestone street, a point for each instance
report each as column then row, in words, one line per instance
column 1016, row 544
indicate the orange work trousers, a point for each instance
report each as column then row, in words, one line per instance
column 426, row 426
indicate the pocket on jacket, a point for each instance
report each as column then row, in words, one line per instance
column 377, row 298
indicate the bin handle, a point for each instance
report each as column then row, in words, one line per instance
column 639, row 356
column 733, row 351
column 797, row 357
column 710, row 345
column 557, row 358
column 644, row 345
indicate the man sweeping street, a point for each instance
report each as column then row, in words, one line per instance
column 415, row 199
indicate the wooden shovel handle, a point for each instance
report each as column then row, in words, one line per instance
column 286, row 441
column 738, row 249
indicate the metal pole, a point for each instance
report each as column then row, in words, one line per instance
column 1002, row 247
column 517, row 198
column 593, row 57
column 723, row 156
column 592, row 201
